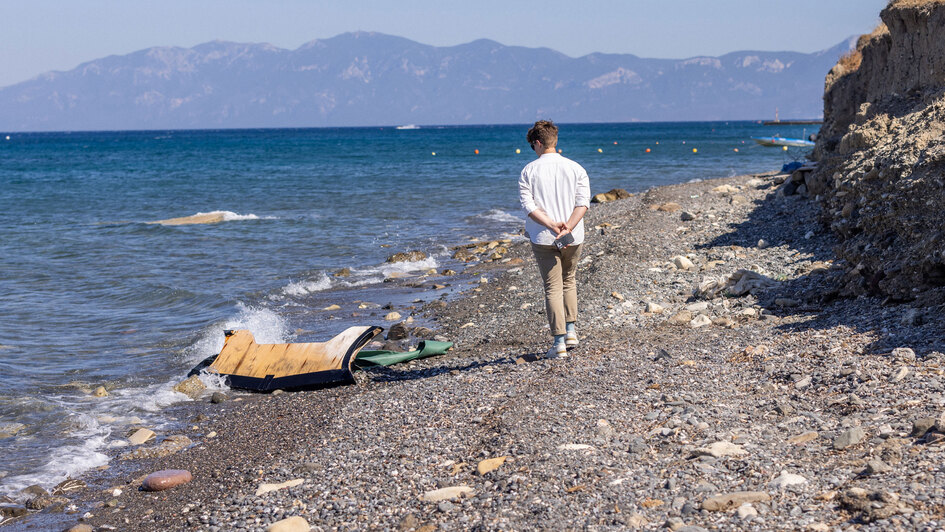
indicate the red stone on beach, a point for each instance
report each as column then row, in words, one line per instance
column 166, row 479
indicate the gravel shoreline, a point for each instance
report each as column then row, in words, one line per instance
column 785, row 407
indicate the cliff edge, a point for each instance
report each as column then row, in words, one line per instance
column 881, row 155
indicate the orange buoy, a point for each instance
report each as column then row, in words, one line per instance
column 477, row 152
column 648, row 150
column 736, row 150
column 600, row 150
column 695, row 150
column 615, row 143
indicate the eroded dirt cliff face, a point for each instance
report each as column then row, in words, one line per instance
column 881, row 154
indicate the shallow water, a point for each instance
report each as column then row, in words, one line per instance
column 94, row 294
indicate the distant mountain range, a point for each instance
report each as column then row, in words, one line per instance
column 365, row 79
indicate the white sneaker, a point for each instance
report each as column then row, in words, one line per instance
column 571, row 340
column 557, row 351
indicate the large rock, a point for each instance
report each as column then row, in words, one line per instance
column 46, row 501
column 408, row 256
column 8, row 429
column 612, row 195
column 192, row 387
column 166, row 479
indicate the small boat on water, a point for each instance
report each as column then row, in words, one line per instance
column 409, row 126
column 781, row 141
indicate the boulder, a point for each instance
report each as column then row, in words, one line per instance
column 409, row 256
column 192, row 387
column 397, row 331
column 612, row 195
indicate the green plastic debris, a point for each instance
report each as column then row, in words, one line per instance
column 426, row 348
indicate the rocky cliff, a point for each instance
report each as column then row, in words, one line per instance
column 881, row 155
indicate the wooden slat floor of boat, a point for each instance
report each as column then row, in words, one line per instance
column 241, row 355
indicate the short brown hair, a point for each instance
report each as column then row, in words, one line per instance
column 545, row 131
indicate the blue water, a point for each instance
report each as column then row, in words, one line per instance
column 91, row 294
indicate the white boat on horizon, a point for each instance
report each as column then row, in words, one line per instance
column 409, row 126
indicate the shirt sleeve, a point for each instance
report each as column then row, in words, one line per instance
column 583, row 195
column 525, row 196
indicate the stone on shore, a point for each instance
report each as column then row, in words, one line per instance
column 100, row 392
column 785, row 480
column 81, row 527
column 140, row 436
column 491, row 464
column 669, row 207
column 332, row 307
column 9, row 429
column 192, row 387
column 683, row 317
column 392, row 316
column 166, row 479
column 612, row 195
column 849, row 438
column 218, row 397
column 683, row 263
column 266, row 488
column 170, row 445
column 445, row 494
column 398, row 331
column 700, row 321
column 290, row 524
column 408, row 256
column 728, row 501
column 720, row 449
column 43, row 502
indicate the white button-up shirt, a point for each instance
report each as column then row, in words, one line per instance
column 556, row 185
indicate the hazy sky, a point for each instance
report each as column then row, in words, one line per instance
column 41, row 35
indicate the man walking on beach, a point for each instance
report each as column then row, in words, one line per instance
column 555, row 192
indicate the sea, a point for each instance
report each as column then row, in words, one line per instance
column 94, row 293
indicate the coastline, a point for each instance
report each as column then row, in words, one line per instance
column 619, row 434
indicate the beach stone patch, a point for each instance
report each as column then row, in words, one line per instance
column 611, row 195
column 491, row 464
column 218, row 397
column 170, row 445
column 392, row 316
column 192, row 387
column 166, row 479
column 10, row 429
column 720, row 449
column 67, row 485
column 398, row 331
column 849, row 438
column 408, row 256
column 683, row 317
column 43, row 502
column 140, row 436
column 683, row 263
column 344, row 272
column 785, row 480
column 922, row 425
column 445, row 494
column 266, row 488
column 290, row 524
column 81, row 527
column 700, row 321
column 728, row 501
column 100, row 392
column 801, row 439
column 332, row 307
column 876, row 467
column 669, row 207
column 12, row 510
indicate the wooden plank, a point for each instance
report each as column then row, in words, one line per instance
column 242, row 356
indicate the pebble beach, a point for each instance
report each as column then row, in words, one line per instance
column 723, row 382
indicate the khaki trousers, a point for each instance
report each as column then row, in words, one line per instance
column 558, row 269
